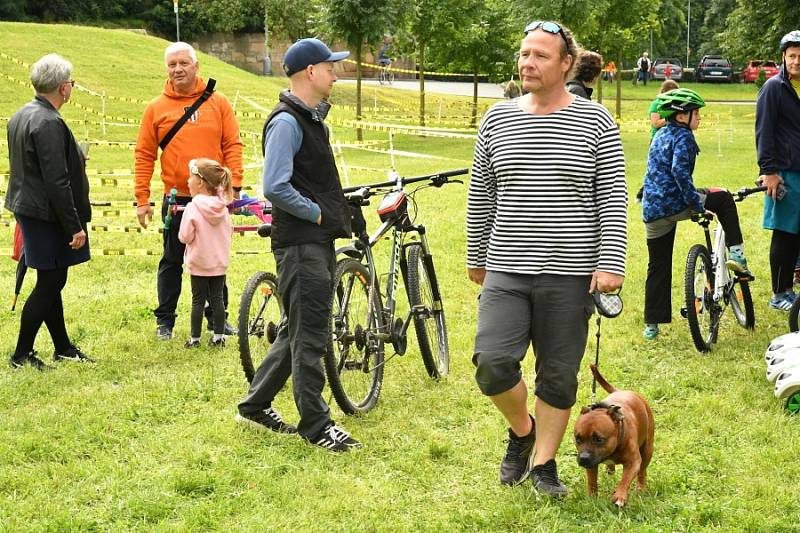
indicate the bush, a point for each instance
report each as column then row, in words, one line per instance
column 761, row 78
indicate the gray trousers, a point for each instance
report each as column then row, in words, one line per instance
column 305, row 283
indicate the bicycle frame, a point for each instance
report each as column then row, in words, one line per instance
column 722, row 277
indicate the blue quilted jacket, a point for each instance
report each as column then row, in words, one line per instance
column 668, row 187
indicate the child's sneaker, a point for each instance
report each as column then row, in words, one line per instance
column 650, row 331
column 192, row 343
column 738, row 263
column 782, row 301
column 216, row 343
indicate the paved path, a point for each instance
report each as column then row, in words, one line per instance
column 457, row 88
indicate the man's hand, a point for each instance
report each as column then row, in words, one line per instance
column 605, row 281
column 319, row 220
column 476, row 275
column 78, row 240
column 145, row 214
column 773, row 182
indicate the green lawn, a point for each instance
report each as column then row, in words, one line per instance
column 145, row 439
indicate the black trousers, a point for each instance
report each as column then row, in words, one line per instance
column 658, row 287
column 305, row 283
column 783, row 252
column 207, row 288
column 44, row 306
column 170, row 271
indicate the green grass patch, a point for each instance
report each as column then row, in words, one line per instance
column 145, row 439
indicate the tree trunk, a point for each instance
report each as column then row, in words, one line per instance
column 619, row 87
column 359, row 131
column 474, row 120
column 421, row 68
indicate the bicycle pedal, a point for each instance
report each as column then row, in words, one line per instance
column 420, row 311
column 684, row 312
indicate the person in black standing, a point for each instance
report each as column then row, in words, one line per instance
column 48, row 192
column 309, row 212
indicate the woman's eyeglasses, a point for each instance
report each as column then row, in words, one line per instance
column 546, row 25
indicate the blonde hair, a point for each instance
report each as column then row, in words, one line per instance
column 217, row 179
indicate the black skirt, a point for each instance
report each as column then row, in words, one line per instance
column 46, row 245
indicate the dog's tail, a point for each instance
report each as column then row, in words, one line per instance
column 601, row 380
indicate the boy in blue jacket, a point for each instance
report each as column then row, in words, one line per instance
column 670, row 196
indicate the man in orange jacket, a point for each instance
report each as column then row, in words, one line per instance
column 211, row 132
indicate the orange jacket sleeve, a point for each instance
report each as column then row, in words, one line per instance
column 145, row 156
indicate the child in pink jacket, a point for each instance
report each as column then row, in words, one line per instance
column 206, row 230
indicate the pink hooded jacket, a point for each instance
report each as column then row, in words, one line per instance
column 206, row 230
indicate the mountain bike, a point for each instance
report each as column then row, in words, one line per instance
column 363, row 318
column 384, row 74
column 710, row 286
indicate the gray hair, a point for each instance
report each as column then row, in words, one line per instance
column 180, row 46
column 49, row 72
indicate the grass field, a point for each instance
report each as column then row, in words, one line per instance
column 145, row 439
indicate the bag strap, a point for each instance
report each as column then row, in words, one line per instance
column 189, row 112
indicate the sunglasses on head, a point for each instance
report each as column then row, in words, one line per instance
column 545, row 25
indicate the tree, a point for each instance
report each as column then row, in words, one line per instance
column 755, row 27
column 361, row 23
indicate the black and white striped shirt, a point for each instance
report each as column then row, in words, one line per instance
column 548, row 192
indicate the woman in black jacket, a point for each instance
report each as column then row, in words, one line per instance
column 587, row 72
column 48, row 192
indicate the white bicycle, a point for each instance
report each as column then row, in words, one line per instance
column 710, row 286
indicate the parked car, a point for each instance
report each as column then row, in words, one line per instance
column 714, row 68
column 660, row 66
column 750, row 72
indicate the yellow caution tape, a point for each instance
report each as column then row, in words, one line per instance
column 409, row 71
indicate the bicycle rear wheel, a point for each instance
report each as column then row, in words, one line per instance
column 700, row 307
column 260, row 315
column 428, row 312
column 742, row 303
column 354, row 359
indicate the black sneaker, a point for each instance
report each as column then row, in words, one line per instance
column 218, row 343
column 267, row 419
column 545, row 480
column 228, row 330
column 73, row 354
column 514, row 468
column 191, row 343
column 30, row 359
column 164, row 333
column 335, row 439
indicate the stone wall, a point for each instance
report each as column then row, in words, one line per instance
column 246, row 51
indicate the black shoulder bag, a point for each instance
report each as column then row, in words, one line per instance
column 189, row 112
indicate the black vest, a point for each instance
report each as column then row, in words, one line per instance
column 315, row 177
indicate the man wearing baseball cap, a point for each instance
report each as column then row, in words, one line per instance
column 309, row 212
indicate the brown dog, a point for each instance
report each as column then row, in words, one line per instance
column 618, row 430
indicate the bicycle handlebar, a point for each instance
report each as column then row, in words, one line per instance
column 438, row 180
column 744, row 192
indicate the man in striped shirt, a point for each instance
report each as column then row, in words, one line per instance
column 546, row 225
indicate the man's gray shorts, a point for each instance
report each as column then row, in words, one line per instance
column 549, row 312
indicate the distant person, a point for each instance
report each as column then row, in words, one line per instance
column 206, row 231
column 609, row 71
column 778, row 148
column 670, row 196
column 587, row 71
column 642, row 69
column 668, row 71
column 383, row 54
column 511, row 90
column 48, row 192
column 211, row 131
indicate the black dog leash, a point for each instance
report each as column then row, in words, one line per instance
column 608, row 305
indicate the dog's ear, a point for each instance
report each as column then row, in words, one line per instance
column 615, row 412
column 585, row 409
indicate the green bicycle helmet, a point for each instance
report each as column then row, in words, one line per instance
column 678, row 101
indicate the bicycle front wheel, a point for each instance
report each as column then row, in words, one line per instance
column 699, row 285
column 260, row 315
column 428, row 312
column 742, row 303
column 354, row 359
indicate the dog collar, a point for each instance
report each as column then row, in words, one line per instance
column 607, row 406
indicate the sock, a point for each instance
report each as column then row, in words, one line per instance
column 194, row 339
column 218, row 336
column 737, row 252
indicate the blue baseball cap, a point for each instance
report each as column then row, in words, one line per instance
column 307, row 52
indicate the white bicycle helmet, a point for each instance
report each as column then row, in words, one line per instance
column 788, row 383
column 789, row 341
column 781, row 363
